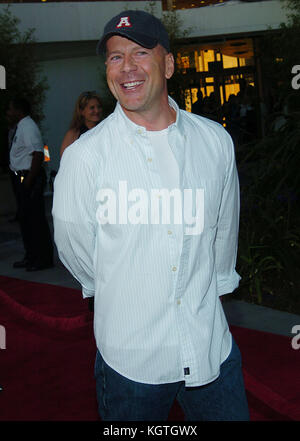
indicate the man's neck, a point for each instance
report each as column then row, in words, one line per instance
column 151, row 120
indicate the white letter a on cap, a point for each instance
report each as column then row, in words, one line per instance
column 124, row 23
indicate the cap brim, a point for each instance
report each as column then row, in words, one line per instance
column 142, row 40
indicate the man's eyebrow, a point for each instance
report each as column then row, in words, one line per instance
column 113, row 52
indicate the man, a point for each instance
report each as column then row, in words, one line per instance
column 160, row 329
column 11, row 130
column 26, row 161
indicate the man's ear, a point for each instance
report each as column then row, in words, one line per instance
column 170, row 65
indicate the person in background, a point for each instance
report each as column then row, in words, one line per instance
column 87, row 114
column 26, row 161
column 197, row 106
column 12, row 127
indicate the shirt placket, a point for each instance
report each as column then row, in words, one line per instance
column 177, row 142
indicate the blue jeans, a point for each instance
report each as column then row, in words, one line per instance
column 224, row 399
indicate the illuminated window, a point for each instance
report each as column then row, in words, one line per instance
column 191, row 96
column 188, row 100
column 194, row 95
column 216, row 67
column 229, row 62
column 231, row 89
column 185, row 62
column 209, row 56
column 209, row 90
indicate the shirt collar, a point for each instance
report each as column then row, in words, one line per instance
column 141, row 129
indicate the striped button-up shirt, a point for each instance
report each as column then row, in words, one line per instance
column 156, row 281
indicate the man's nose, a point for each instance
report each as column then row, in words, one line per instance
column 128, row 64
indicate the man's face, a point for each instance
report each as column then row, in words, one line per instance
column 136, row 75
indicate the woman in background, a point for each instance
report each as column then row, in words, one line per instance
column 87, row 114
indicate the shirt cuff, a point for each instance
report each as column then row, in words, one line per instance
column 87, row 293
column 229, row 284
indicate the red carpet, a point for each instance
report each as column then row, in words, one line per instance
column 46, row 369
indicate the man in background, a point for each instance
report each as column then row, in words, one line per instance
column 26, row 162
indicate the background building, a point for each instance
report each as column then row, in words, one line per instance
column 220, row 56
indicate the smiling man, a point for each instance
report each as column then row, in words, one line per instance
column 159, row 325
column 137, row 78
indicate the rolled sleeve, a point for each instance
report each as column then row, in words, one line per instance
column 228, row 226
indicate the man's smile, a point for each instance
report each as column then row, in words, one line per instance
column 131, row 85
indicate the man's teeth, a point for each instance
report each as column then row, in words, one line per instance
column 132, row 84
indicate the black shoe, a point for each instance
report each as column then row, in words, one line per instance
column 33, row 267
column 21, row 263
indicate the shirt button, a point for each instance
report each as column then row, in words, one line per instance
column 139, row 131
column 178, row 302
column 149, row 159
column 174, row 268
column 169, row 232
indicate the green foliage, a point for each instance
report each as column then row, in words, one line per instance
column 269, row 242
column 280, row 51
column 269, row 245
column 23, row 73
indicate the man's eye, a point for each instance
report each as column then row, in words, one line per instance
column 115, row 58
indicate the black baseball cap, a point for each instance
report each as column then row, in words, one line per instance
column 138, row 26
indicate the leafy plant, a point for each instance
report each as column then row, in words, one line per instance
column 23, row 72
column 269, row 250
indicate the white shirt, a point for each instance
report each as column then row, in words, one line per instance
column 157, row 306
column 165, row 160
column 27, row 140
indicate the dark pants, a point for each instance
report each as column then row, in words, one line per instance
column 224, row 399
column 33, row 223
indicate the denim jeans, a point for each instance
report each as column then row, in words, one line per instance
column 224, row 399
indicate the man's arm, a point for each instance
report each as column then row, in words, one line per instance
column 74, row 218
column 36, row 164
column 35, row 146
column 228, row 225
